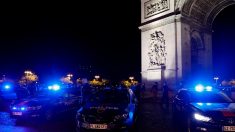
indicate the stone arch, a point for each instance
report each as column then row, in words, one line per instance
column 197, row 37
column 197, row 46
column 203, row 11
column 183, row 23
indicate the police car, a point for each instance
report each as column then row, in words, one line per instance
column 46, row 105
column 107, row 108
column 203, row 109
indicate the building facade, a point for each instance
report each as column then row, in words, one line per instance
column 176, row 39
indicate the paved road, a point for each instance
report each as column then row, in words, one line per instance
column 153, row 117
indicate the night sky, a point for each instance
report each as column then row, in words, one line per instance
column 224, row 44
column 56, row 39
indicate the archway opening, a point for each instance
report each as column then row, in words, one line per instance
column 223, row 48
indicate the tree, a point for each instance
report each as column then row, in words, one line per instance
column 29, row 81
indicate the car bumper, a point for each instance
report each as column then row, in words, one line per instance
column 23, row 115
column 103, row 126
column 207, row 127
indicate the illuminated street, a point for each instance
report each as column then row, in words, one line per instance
column 62, row 124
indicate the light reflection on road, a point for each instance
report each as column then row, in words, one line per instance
column 8, row 124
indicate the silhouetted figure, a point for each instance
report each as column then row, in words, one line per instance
column 154, row 90
column 165, row 97
column 137, row 90
column 142, row 90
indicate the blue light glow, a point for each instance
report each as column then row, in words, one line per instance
column 49, row 87
column 14, row 108
column 22, row 108
column 201, row 104
column 131, row 115
column 208, row 88
column 7, row 86
column 199, row 88
column 54, row 87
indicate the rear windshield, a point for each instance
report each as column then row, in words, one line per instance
column 109, row 96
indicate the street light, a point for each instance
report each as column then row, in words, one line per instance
column 28, row 72
column 97, row 77
column 216, row 79
column 70, row 76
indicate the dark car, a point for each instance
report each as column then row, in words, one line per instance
column 107, row 108
column 46, row 105
column 203, row 109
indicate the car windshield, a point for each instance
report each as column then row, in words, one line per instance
column 109, row 97
column 211, row 97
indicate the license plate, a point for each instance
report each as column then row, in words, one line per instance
column 98, row 126
column 228, row 128
column 17, row 113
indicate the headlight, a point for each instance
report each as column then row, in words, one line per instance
column 120, row 117
column 200, row 117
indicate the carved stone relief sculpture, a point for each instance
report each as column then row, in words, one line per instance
column 157, row 49
column 154, row 7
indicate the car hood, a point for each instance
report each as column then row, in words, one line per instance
column 105, row 108
column 216, row 109
column 30, row 102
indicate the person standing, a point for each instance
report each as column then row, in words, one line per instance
column 142, row 90
column 154, row 90
column 165, row 96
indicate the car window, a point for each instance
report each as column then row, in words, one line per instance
column 212, row 97
column 109, row 96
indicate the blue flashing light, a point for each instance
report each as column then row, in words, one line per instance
column 131, row 115
column 208, row 88
column 208, row 104
column 22, row 108
column 54, row 87
column 14, row 108
column 49, row 87
column 199, row 88
column 200, row 104
column 7, row 86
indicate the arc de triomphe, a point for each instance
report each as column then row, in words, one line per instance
column 176, row 39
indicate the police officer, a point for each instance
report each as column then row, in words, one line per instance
column 165, row 97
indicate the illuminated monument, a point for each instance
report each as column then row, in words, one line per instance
column 176, row 39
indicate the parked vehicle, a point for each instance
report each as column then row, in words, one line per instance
column 203, row 109
column 46, row 105
column 107, row 108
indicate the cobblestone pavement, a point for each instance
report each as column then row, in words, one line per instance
column 153, row 117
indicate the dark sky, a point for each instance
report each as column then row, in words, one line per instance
column 54, row 39
column 224, row 44
column 57, row 39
